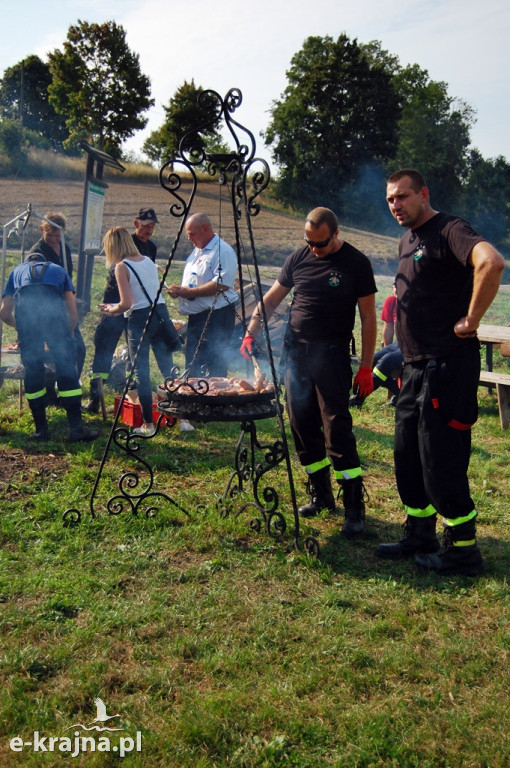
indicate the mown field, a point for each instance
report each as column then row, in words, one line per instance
column 223, row 646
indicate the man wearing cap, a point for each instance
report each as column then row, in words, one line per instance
column 144, row 229
column 110, row 328
column 38, row 301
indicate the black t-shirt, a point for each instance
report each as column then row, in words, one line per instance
column 326, row 292
column 63, row 260
column 434, row 286
column 111, row 292
column 148, row 248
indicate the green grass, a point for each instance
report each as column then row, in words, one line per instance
column 230, row 648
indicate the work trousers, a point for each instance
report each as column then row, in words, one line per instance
column 162, row 337
column 318, row 380
column 436, row 407
column 208, row 354
column 106, row 337
column 38, row 322
column 387, row 360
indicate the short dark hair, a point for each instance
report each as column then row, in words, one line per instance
column 417, row 180
column 322, row 216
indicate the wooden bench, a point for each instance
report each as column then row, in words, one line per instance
column 502, row 383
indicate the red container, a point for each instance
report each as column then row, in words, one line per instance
column 131, row 413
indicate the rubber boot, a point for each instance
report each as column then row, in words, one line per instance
column 321, row 494
column 419, row 537
column 460, row 553
column 52, row 398
column 77, row 430
column 38, row 409
column 95, row 398
column 354, row 507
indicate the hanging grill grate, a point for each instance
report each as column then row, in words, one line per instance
column 215, row 400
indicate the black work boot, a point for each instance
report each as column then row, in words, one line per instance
column 419, row 537
column 95, row 397
column 77, row 430
column 38, row 409
column 460, row 553
column 321, row 494
column 354, row 507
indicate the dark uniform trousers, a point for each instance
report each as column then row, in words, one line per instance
column 39, row 320
column 210, row 350
column 436, row 408
column 318, row 379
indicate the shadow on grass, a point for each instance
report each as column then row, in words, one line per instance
column 357, row 557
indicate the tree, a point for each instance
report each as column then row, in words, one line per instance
column 434, row 134
column 338, row 114
column 24, row 97
column 183, row 113
column 98, row 85
column 486, row 196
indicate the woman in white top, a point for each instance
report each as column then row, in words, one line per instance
column 138, row 282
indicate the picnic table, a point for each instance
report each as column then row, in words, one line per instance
column 491, row 335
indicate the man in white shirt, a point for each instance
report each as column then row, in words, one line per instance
column 207, row 297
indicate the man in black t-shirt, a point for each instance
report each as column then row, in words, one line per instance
column 447, row 277
column 330, row 279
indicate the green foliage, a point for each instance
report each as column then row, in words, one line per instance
column 185, row 112
column 98, row 85
column 338, row 112
column 24, row 97
column 12, row 141
column 351, row 114
column 486, row 196
column 433, row 134
column 227, row 647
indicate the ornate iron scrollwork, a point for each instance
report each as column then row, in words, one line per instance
column 248, row 176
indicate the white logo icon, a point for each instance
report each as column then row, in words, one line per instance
column 102, row 717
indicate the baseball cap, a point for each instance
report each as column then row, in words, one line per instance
column 147, row 214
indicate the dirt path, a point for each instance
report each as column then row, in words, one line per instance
column 275, row 234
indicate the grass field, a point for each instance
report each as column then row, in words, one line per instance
column 225, row 647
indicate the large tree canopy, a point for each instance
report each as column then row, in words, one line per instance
column 183, row 113
column 24, row 98
column 433, row 134
column 351, row 114
column 339, row 112
column 98, row 85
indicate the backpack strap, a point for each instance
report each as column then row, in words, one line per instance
column 38, row 277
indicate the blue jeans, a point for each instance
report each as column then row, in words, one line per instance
column 162, row 337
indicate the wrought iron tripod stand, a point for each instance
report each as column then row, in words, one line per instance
column 248, row 177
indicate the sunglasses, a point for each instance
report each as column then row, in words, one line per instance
column 321, row 244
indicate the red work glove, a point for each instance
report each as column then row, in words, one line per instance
column 247, row 347
column 363, row 383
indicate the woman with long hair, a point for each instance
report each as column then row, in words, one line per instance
column 138, row 282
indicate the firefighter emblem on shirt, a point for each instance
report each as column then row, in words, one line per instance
column 334, row 279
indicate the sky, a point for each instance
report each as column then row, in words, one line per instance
column 249, row 45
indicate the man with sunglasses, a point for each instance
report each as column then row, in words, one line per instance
column 330, row 279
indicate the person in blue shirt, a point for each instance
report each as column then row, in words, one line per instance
column 38, row 301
